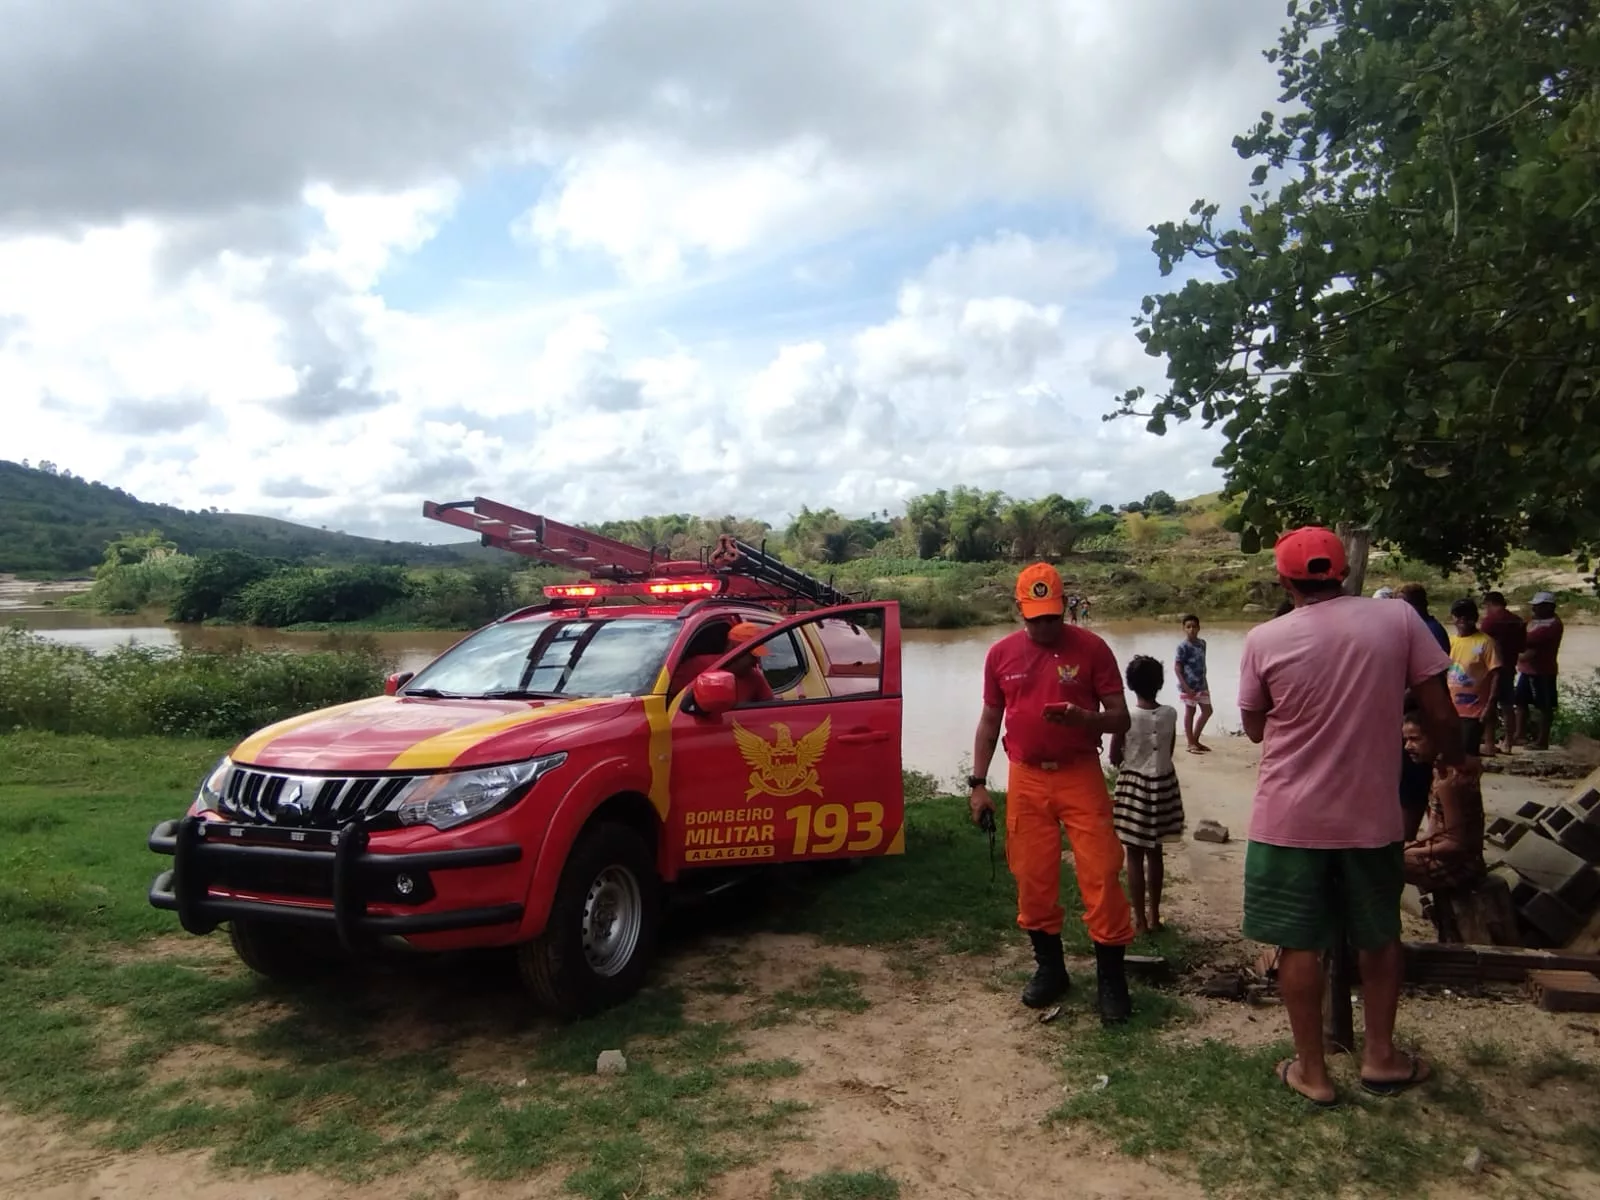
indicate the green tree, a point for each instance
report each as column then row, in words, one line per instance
column 1402, row 334
column 1160, row 503
column 215, row 580
column 133, row 548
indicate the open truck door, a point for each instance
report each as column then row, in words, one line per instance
column 812, row 773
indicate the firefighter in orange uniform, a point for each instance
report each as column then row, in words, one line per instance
column 747, row 673
column 1058, row 690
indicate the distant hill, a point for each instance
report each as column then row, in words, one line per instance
column 54, row 523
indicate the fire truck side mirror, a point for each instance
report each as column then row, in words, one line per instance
column 715, row 692
column 397, row 681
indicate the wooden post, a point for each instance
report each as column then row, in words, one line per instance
column 1338, row 1015
column 1357, row 542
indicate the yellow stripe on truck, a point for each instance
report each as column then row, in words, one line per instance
column 439, row 751
column 252, row 747
column 659, row 717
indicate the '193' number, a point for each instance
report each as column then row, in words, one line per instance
column 825, row 828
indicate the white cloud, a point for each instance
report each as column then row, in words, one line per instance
column 196, row 278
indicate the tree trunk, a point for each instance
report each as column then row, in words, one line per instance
column 1356, row 544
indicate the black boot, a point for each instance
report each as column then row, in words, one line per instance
column 1115, row 1007
column 1049, row 982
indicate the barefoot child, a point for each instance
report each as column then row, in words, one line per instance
column 1193, row 690
column 1148, row 807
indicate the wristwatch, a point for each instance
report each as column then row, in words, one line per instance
column 977, row 781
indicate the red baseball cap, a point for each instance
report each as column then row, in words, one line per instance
column 1310, row 552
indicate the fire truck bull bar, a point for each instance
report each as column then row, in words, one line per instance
column 206, row 853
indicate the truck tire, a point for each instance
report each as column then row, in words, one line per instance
column 601, row 934
column 279, row 952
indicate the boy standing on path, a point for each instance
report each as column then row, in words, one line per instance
column 1474, row 674
column 1193, row 688
column 1058, row 691
column 1324, row 689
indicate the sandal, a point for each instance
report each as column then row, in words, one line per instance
column 1420, row 1073
column 1283, row 1077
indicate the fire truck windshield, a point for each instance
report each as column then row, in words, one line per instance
column 551, row 659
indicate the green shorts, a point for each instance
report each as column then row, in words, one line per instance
column 1304, row 899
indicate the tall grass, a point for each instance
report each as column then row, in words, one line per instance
column 138, row 690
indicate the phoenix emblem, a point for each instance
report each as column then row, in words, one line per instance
column 783, row 767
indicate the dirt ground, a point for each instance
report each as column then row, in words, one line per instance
column 944, row 1082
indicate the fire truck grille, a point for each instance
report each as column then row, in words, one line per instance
column 307, row 801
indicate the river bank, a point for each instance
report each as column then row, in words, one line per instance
column 942, row 669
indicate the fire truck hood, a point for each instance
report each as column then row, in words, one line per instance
column 400, row 733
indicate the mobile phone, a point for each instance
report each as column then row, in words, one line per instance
column 1058, row 706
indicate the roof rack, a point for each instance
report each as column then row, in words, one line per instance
column 616, row 569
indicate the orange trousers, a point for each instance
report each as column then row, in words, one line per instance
column 1038, row 804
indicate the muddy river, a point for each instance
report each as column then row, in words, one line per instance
column 942, row 669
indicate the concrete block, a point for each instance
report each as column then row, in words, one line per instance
column 1588, row 803
column 1521, row 890
column 1505, row 832
column 1567, row 828
column 1543, row 863
column 1581, row 892
column 1532, row 811
column 1554, row 921
column 1210, row 831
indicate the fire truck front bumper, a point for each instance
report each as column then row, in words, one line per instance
column 327, row 879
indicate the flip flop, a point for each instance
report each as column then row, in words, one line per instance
column 1420, row 1073
column 1283, row 1078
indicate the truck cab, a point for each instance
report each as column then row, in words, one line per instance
column 543, row 783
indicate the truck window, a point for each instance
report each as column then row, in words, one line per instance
column 783, row 666
column 576, row 658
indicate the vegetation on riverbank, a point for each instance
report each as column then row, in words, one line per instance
column 139, row 690
column 1156, row 558
column 137, row 1036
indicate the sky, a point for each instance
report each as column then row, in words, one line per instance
column 601, row 259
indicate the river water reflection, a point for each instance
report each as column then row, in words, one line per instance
column 943, row 669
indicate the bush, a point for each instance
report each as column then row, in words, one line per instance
column 1578, row 711
column 215, row 580
column 136, row 690
column 133, row 587
column 305, row 594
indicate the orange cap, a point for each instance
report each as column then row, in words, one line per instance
column 744, row 631
column 1039, row 592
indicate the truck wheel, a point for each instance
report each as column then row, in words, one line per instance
column 279, row 952
column 601, row 934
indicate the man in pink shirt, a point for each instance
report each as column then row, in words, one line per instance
column 1324, row 688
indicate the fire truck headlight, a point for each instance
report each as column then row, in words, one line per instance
column 447, row 800
column 213, row 787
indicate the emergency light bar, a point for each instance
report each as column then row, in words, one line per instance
column 649, row 587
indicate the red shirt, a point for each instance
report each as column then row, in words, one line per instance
column 1544, row 639
column 1021, row 677
column 752, row 688
column 1509, row 634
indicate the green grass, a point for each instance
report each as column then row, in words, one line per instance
column 369, row 1074
column 388, row 1065
column 1216, row 1110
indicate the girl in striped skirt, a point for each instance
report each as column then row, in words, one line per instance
column 1147, row 808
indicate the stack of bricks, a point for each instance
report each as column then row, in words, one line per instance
column 1548, row 855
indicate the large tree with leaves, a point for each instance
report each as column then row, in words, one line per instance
column 1400, row 330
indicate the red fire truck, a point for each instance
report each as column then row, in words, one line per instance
column 544, row 782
